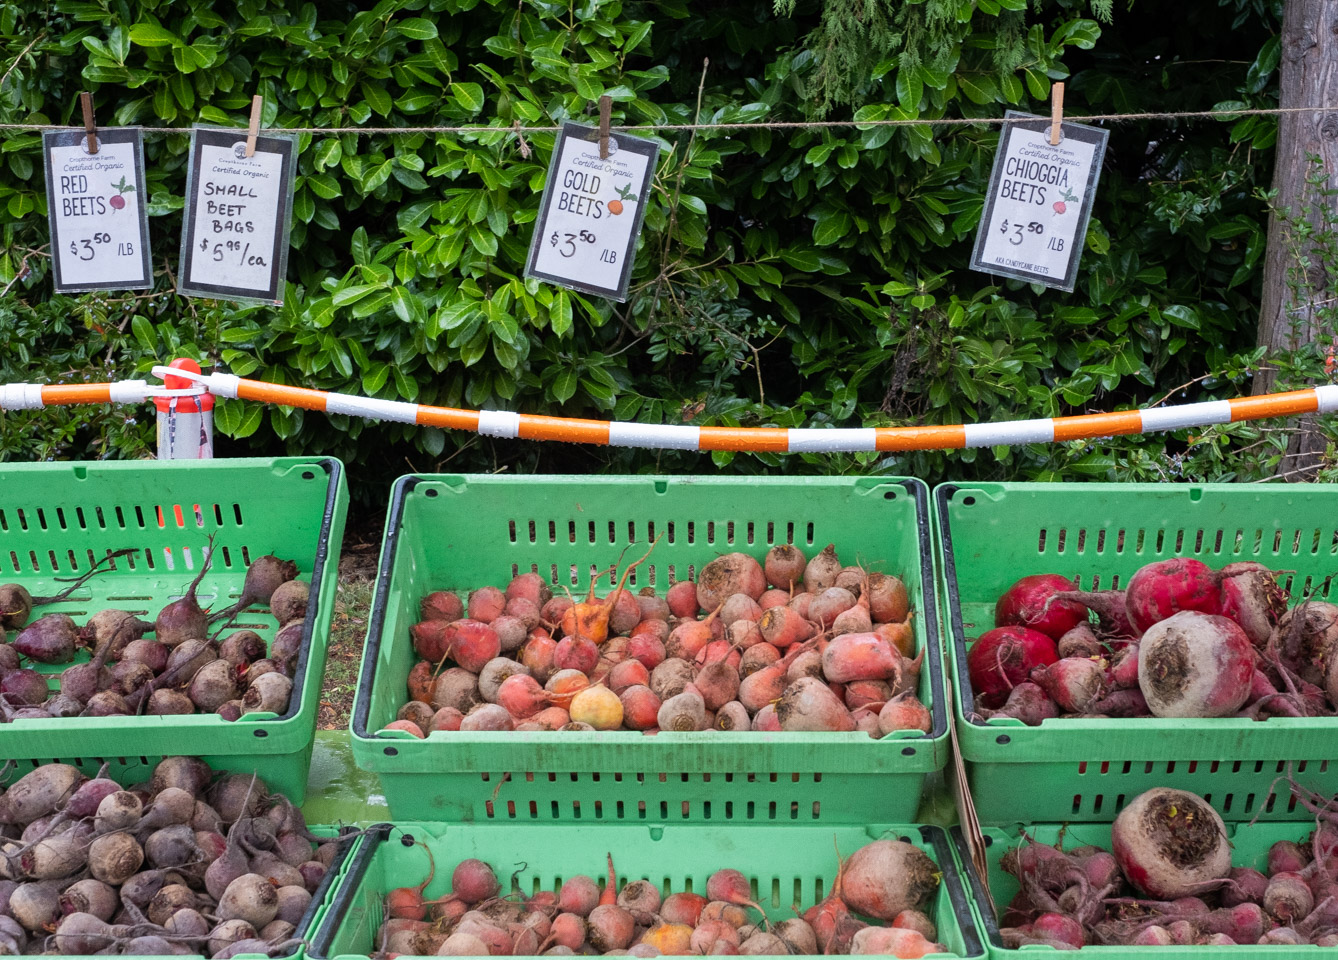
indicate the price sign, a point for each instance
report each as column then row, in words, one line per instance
column 234, row 242
column 591, row 212
column 1039, row 201
column 96, row 207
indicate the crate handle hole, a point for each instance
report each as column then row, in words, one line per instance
column 908, row 751
column 969, row 501
column 429, row 493
column 890, row 495
column 261, row 733
column 308, row 475
column 392, row 752
column 1003, row 738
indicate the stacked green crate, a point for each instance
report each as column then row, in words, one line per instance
column 457, row 532
column 1064, row 781
column 787, row 866
column 57, row 519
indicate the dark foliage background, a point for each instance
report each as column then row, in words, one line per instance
column 784, row 277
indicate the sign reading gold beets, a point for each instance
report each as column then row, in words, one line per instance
column 1039, row 201
column 591, row 212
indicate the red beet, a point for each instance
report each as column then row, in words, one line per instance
column 1004, row 657
column 1165, row 587
column 1033, row 602
column 183, row 619
column 49, row 639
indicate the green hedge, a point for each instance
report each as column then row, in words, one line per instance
column 785, row 277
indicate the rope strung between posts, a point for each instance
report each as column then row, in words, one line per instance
column 516, row 129
column 510, row 425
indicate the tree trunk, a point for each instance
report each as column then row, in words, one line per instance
column 1308, row 76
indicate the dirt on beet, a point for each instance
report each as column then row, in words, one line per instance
column 1168, row 671
column 1189, row 831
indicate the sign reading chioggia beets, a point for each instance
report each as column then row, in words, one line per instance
column 1039, row 201
column 591, row 212
column 234, row 239
column 96, row 208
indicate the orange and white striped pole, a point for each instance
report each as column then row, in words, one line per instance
column 505, row 424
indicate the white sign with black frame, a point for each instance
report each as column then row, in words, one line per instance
column 96, row 207
column 1039, row 201
column 591, row 212
column 234, row 236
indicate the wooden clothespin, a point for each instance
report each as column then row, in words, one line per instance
column 257, row 105
column 1056, row 113
column 90, row 126
column 605, row 112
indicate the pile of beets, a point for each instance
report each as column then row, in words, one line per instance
column 787, row 644
column 184, row 863
column 180, row 670
column 887, row 880
column 1168, row 879
column 1180, row 640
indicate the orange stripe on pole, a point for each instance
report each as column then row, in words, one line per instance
column 951, row 437
column 752, row 439
column 1098, row 425
column 60, row 394
column 448, row 417
column 1274, row 405
column 564, row 429
column 281, row 394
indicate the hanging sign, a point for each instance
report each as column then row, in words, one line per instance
column 1039, row 201
column 591, row 212
column 234, row 241
column 96, row 207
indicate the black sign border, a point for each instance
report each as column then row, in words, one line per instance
column 286, row 145
column 73, row 138
column 1077, row 131
column 639, row 145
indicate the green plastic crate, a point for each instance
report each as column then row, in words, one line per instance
column 1249, row 842
column 990, row 534
column 464, row 532
column 785, row 864
column 58, row 518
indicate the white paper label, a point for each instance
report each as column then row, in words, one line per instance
column 237, row 217
column 1039, row 202
column 591, row 213
column 95, row 205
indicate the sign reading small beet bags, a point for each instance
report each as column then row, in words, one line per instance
column 234, row 239
column 591, row 212
column 96, row 208
column 1039, row 201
